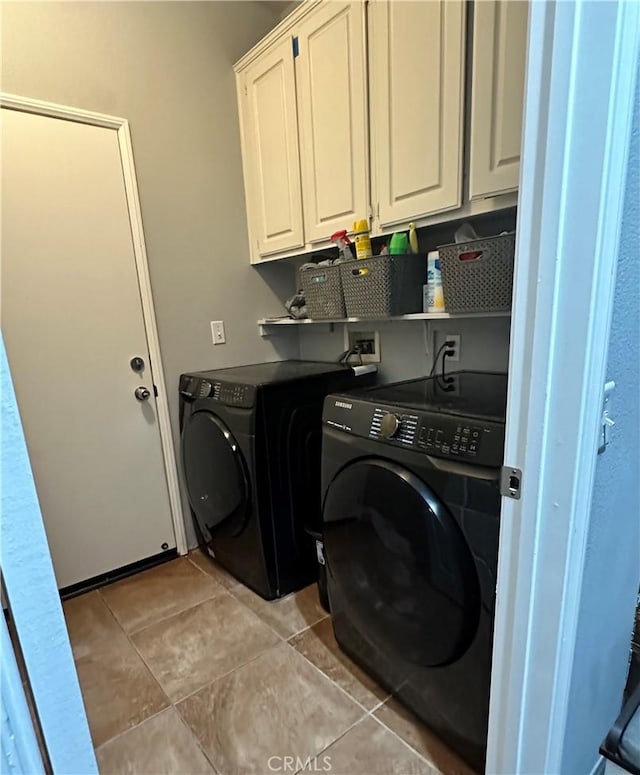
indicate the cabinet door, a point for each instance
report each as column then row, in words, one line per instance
column 269, row 126
column 332, row 103
column 497, row 96
column 417, row 90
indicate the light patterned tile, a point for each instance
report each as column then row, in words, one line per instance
column 91, row 625
column 419, row 736
column 278, row 705
column 118, row 690
column 162, row 745
column 290, row 614
column 371, row 749
column 318, row 645
column 208, row 565
column 202, row 643
column 158, row 593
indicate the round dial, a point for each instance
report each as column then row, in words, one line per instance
column 389, row 425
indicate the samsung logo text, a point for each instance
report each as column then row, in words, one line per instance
column 344, row 405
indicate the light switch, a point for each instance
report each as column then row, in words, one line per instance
column 217, row 332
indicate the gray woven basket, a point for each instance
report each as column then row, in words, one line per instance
column 322, row 287
column 384, row 285
column 477, row 276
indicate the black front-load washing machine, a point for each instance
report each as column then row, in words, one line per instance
column 411, row 516
column 250, row 440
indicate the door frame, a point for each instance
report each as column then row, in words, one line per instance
column 121, row 127
column 582, row 64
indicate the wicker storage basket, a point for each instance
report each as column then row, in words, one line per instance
column 384, row 285
column 322, row 287
column 477, row 276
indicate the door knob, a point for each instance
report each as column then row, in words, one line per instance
column 142, row 393
column 137, row 364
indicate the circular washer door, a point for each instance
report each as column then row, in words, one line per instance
column 399, row 566
column 215, row 474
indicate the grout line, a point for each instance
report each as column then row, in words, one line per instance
column 224, row 675
column 331, row 681
column 411, row 748
column 197, row 741
column 135, row 726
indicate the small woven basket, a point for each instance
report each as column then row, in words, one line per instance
column 384, row 285
column 322, row 287
column 477, row 276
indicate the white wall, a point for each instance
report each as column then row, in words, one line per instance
column 167, row 67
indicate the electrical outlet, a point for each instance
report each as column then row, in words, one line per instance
column 217, row 332
column 368, row 343
column 455, row 338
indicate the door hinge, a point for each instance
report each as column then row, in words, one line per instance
column 155, row 391
column 607, row 422
column 510, row 482
column 295, row 45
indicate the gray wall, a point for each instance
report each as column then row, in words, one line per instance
column 612, row 570
column 167, row 67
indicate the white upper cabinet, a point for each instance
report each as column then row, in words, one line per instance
column 417, row 54
column 269, row 126
column 332, row 109
column 497, row 96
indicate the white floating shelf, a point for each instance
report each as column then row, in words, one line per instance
column 266, row 323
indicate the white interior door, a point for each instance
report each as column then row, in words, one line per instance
column 272, row 160
column 417, row 87
column 331, row 78
column 72, row 320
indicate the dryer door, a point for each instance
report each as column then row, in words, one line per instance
column 215, row 474
column 399, row 568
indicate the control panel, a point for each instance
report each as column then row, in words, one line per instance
column 390, row 425
column 457, row 440
column 230, row 394
column 431, row 433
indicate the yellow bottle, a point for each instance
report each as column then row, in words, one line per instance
column 362, row 238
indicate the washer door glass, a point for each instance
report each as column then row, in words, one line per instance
column 399, row 567
column 215, row 473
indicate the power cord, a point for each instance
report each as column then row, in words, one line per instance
column 355, row 350
column 447, row 352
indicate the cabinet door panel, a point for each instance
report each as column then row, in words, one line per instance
column 270, row 129
column 499, row 60
column 331, row 81
column 417, row 76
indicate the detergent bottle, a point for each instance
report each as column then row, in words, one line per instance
column 362, row 238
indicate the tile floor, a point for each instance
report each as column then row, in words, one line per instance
column 183, row 671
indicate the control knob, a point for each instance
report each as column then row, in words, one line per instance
column 389, row 425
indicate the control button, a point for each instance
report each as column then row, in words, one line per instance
column 473, row 448
column 475, row 433
column 389, row 425
column 466, row 431
column 463, row 448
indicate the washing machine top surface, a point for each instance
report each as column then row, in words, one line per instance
column 471, row 394
column 257, row 374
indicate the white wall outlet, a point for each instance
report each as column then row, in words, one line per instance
column 368, row 343
column 437, row 348
column 455, row 338
column 217, row 332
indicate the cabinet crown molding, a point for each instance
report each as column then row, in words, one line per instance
column 288, row 24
